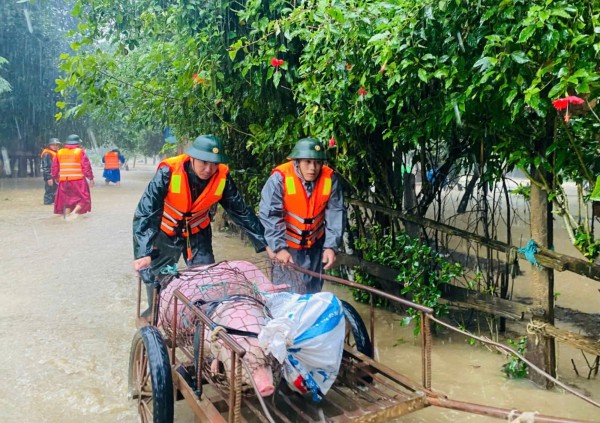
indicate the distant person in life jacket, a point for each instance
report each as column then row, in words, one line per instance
column 113, row 160
column 302, row 210
column 47, row 157
column 172, row 217
column 73, row 171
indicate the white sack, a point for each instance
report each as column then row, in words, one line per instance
column 306, row 335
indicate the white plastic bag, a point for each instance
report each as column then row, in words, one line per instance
column 306, row 335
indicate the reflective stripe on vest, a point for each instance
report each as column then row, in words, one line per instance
column 48, row 151
column 69, row 160
column 180, row 215
column 111, row 160
column 304, row 217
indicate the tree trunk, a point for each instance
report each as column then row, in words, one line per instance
column 541, row 349
column 410, row 204
column 464, row 202
column 22, row 170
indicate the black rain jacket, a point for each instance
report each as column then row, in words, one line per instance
column 149, row 240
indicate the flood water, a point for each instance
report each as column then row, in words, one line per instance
column 67, row 320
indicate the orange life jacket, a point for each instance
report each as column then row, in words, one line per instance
column 69, row 160
column 181, row 216
column 48, row 151
column 111, row 160
column 304, row 217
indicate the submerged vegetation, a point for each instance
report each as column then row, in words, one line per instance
column 422, row 272
column 516, row 368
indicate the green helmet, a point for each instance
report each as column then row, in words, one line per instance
column 308, row 148
column 73, row 139
column 208, row 148
column 54, row 141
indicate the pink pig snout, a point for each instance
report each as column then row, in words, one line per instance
column 263, row 377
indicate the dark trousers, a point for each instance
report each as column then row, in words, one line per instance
column 168, row 250
column 49, row 193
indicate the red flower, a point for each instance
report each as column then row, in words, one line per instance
column 563, row 103
column 197, row 80
column 382, row 69
column 275, row 62
column 348, row 66
column 362, row 91
column 331, row 142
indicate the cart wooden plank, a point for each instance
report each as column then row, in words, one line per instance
column 203, row 408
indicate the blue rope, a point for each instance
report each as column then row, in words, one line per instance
column 168, row 270
column 529, row 252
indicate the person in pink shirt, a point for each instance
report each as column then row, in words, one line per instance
column 73, row 171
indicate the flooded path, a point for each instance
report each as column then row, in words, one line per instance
column 67, row 320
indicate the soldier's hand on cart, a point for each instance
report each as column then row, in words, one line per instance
column 142, row 267
column 283, row 256
column 141, row 263
column 328, row 258
column 270, row 253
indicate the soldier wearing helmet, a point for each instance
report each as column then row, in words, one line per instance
column 302, row 210
column 173, row 215
column 73, row 171
column 47, row 157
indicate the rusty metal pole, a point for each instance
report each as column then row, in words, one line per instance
column 541, row 349
column 139, row 297
column 372, row 318
column 232, row 388
column 425, row 350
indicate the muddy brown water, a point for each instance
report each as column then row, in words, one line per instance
column 67, row 320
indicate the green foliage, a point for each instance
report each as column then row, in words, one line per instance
column 586, row 243
column 515, row 368
column 364, row 297
column 422, row 275
column 523, row 190
column 421, row 270
column 479, row 78
column 448, row 85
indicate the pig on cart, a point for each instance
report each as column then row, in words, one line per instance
column 231, row 295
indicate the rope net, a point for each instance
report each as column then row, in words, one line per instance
column 232, row 295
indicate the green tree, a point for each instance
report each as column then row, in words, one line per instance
column 536, row 52
column 451, row 86
column 457, row 84
column 31, row 36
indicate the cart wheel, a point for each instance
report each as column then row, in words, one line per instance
column 150, row 379
column 362, row 343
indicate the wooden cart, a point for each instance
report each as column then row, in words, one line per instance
column 163, row 370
